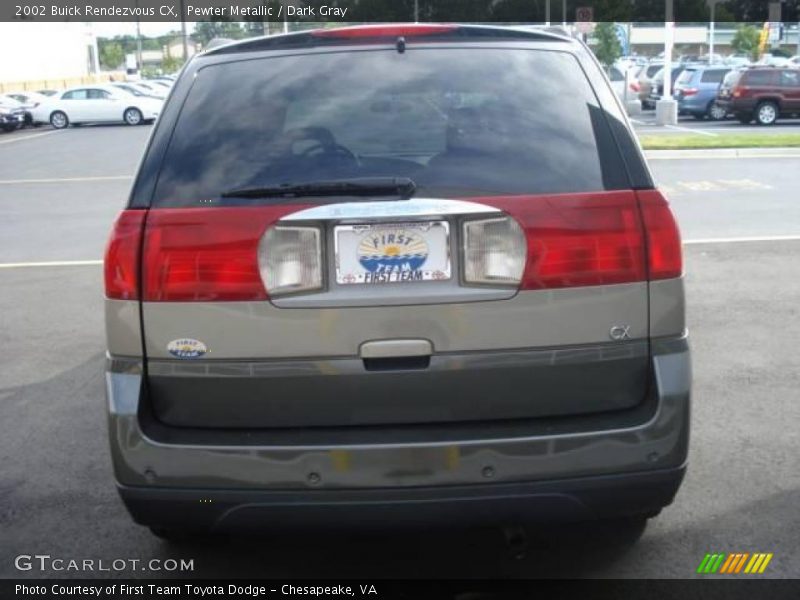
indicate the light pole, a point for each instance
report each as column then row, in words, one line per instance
column 184, row 43
column 138, row 41
column 547, row 12
column 666, row 107
column 712, row 4
column 564, row 13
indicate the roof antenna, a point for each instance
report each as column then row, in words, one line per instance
column 401, row 45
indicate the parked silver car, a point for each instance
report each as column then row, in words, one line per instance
column 398, row 274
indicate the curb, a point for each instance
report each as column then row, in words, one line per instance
column 723, row 153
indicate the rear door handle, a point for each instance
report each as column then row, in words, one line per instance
column 395, row 349
column 396, row 355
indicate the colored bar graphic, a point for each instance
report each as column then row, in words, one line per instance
column 741, row 562
column 730, row 562
column 720, row 562
column 702, row 567
column 764, row 564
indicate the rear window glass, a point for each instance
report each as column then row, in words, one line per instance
column 686, row 76
column 653, row 69
column 732, row 78
column 458, row 122
column 760, row 77
column 713, row 76
column 790, row 78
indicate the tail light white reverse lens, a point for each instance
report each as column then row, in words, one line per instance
column 290, row 260
column 494, row 251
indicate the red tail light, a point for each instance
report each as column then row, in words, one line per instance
column 206, row 254
column 595, row 239
column 579, row 240
column 736, row 92
column 689, row 91
column 664, row 252
column 392, row 31
column 121, row 263
column 635, row 86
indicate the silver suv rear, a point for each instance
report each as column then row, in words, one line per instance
column 399, row 272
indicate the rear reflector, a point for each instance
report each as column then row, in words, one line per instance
column 389, row 31
column 579, row 239
column 121, row 262
column 206, row 254
column 664, row 251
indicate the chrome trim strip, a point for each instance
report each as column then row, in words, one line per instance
column 415, row 207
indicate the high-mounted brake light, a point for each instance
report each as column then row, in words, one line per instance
column 378, row 31
column 121, row 263
column 206, row 254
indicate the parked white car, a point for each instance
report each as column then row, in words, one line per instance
column 29, row 101
column 149, row 88
column 97, row 104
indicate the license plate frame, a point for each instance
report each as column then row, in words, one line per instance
column 397, row 252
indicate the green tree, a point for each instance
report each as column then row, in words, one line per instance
column 171, row 64
column 745, row 41
column 205, row 31
column 608, row 48
column 111, row 55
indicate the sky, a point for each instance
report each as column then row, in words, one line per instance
column 152, row 29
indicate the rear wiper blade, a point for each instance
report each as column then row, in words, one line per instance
column 403, row 187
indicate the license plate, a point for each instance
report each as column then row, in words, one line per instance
column 378, row 253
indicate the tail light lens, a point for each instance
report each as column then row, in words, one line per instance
column 635, row 86
column 590, row 239
column 494, row 251
column 664, row 251
column 736, row 92
column 689, row 91
column 206, row 254
column 290, row 260
column 121, row 261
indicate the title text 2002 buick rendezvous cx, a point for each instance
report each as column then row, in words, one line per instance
column 395, row 272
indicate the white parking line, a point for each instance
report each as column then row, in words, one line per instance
column 66, row 179
column 21, row 138
column 737, row 240
column 55, row 263
column 686, row 129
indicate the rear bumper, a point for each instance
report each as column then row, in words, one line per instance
column 617, row 462
column 527, row 502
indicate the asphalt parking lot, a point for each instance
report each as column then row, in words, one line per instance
column 59, row 191
column 645, row 124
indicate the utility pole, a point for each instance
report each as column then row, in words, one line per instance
column 564, row 13
column 183, row 34
column 138, row 40
column 712, row 4
column 667, row 108
column 547, row 12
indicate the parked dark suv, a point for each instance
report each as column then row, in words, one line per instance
column 761, row 93
column 395, row 274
